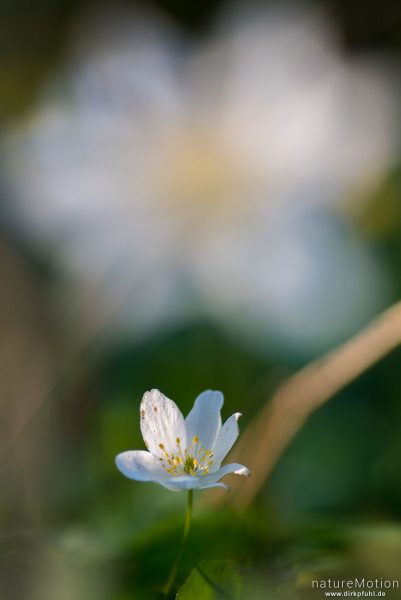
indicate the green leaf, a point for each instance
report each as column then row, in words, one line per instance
column 212, row 580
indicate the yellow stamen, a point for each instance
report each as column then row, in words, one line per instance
column 193, row 460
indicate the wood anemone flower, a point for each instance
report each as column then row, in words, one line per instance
column 183, row 454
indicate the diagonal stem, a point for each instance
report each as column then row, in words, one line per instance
column 187, row 527
column 283, row 415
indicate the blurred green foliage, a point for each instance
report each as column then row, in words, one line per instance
column 210, row 580
column 331, row 508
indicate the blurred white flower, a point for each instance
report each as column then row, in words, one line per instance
column 183, row 454
column 169, row 180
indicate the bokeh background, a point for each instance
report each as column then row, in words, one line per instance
column 194, row 195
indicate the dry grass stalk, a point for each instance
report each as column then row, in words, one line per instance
column 262, row 443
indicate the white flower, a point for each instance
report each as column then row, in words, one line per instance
column 183, row 454
column 169, row 181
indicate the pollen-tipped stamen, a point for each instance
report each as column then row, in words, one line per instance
column 193, row 460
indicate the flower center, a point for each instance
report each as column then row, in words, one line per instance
column 194, row 460
column 202, row 181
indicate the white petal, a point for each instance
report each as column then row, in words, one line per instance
column 141, row 466
column 189, row 482
column 214, row 485
column 180, row 483
column 225, row 440
column 231, row 468
column 204, row 420
column 161, row 424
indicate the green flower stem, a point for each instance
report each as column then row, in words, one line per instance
column 187, row 527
